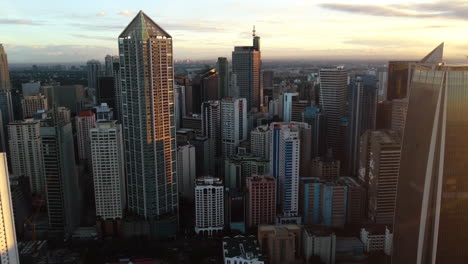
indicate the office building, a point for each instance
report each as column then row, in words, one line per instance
column 94, row 72
column 380, row 173
column 187, row 169
column 104, row 112
column 84, row 122
column 430, row 213
column 62, row 182
column 222, row 67
column 317, row 119
column 333, row 87
column 319, row 241
column 233, row 124
column 240, row 249
column 8, row 245
column 362, row 113
column 5, row 83
column 261, row 200
column 32, row 103
column 211, row 128
column 297, row 108
column 202, row 150
column 281, row 243
column 284, row 164
column 105, row 91
column 204, row 87
column 259, row 146
column 26, row 153
column 108, row 65
column 107, row 157
column 246, row 65
column 193, row 121
column 209, row 205
column 148, row 122
column 399, row 112
column 287, row 106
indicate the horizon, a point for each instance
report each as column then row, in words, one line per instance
column 364, row 31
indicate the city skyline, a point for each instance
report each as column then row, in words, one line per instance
column 299, row 29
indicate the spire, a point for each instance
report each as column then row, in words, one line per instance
column 435, row 56
column 144, row 26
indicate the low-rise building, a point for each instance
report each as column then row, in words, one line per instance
column 377, row 238
column 242, row 250
column 319, row 241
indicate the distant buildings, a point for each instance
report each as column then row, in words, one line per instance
column 104, row 112
column 287, row 106
column 241, row 166
column 32, row 103
column 242, row 250
column 209, row 205
column 399, row 112
column 222, row 67
column 94, row 72
column 326, row 168
column 107, row 157
column 261, row 200
column 84, row 122
column 317, row 119
column 211, row 128
column 8, row 244
column 259, row 142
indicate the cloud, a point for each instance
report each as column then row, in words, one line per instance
column 99, row 27
column 101, row 14
column 193, row 26
column 19, row 22
column 126, row 13
column 94, row 37
column 453, row 9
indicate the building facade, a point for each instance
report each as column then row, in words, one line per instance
column 261, row 200
column 209, row 205
column 233, row 124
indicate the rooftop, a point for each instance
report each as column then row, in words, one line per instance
column 243, row 247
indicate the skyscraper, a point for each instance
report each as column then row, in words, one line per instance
column 431, row 207
column 333, row 87
column 8, row 244
column 316, row 118
column 147, row 78
column 287, row 106
column 222, row 67
column 204, row 88
column 186, row 171
column 108, row 70
column 233, row 124
column 32, row 103
column 94, row 72
column 5, row 84
column 211, row 127
column 25, row 152
column 209, row 205
column 84, row 122
column 246, row 65
column 107, row 157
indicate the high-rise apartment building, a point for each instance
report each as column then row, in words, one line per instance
column 186, row 171
column 241, row 166
column 362, row 113
column 233, row 124
column 147, row 79
column 246, row 65
column 107, row 157
column 8, row 245
column 26, row 153
column 222, row 67
column 5, row 83
column 379, row 172
column 333, row 87
column 209, row 205
column 32, row 103
column 84, row 122
column 431, row 207
column 261, row 200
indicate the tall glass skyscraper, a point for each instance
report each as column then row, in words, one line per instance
column 147, row 85
column 431, row 213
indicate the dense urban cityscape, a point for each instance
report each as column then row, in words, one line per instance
column 142, row 158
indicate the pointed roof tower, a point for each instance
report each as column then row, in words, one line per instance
column 143, row 26
column 435, row 56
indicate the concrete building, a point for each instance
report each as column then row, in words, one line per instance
column 319, row 241
column 259, row 142
column 399, row 112
column 326, row 168
column 6, row 109
column 8, row 245
column 209, row 205
column 280, row 243
column 287, row 106
column 261, row 200
column 94, row 72
column 349, row 249
column 222, row 67
column 187, row 169
column 204, row 87
column 108, row 162
column 30, row 88
column 211, row 128
column 333, row 87
column 242, row 250
column 241, row 166
column 317, row 119
column 377, row 238
column 84, row 122
column 26, row 153
column 151, row 166
column 247, row 65
column 233, row 124
column 30, row 104
column 193, row 121
column 298, row 107
column 380, row 173
column 64, row 114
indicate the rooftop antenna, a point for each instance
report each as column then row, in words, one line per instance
column 253, row 31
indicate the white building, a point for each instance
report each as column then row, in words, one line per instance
column 8, row 244
column 287, row 106
column 284, row 141
column 319, row 241
column 186, row 171
column 30, row 104
column 377, row 238
column 242, row 250
column 84, row 122
column 233, row 124
column 108, row 169
column 259, row 146
column 25, row 152
column 209, row 205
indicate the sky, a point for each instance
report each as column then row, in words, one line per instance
column 50, row 31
